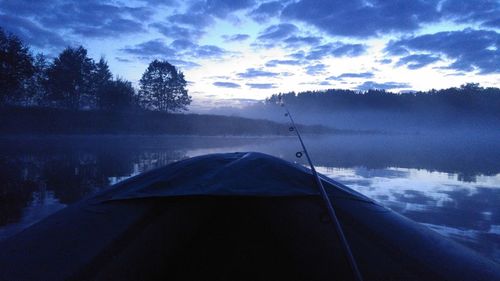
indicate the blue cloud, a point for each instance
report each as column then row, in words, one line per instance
column 182, row 44
column 220, row 8
column 337, row 49
column 86, row 18
column 298, row 55
column 485, row 12
column 385, row 61
column 470, row 49
column 161, row 2
column 150, row 48
column 417, row 61
column 273, row 63
column 157, row 49
column 315, row 69
column 495, row 23
column 293, row 41
column 253, row 73
column 261, row 85
column 352, row 75
column 235, row 37
column 208, row 51
column 178, row 32
column 183, row 64
column 277, row 32
column 226, row 85
column 31, row 33
column 267, row 10
column 194, row 20
column 370, row 85
column 114, row 27
column 361, row 18
column 178, row 50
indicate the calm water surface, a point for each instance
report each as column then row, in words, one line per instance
column 449, row 183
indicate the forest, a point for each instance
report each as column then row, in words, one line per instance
column 459, row 109
column 469, row 98
column 72, row 80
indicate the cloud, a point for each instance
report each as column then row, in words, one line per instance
column 266, row 11
column 31, row 33
column 361, row 18
column 177, row 32
column 278, row 31
column 226, row 85
column 470, row 49
column 235, row 37
column 253, row 73
column 220, row 8
column 485, row 12
column 88, row 18
column 178, row 50
column 273, row 63
column 161, row 2
column 370, row 85
column 417, row 61
column 337, row 49
column 315, row 69
column 123, row 59
column 385, row 61
column 351, row 75
column 293, row 41
column 495, row 23
column 261, row 85
column 194, row 20
column 112, row 28
column 298, row 55
column 207, row 51
column 154, row 47
column 182, row 44
column 184, row 64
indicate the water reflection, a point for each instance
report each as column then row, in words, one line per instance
column 437, row 181
column 467, row 211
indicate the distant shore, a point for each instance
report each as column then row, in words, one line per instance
column 50, row 121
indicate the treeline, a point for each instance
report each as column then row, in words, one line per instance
column 19, row 120
column 74, row 81
column 469, row 98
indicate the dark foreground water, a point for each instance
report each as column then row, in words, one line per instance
column 449, row 183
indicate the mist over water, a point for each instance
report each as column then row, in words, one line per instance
column 450, row 183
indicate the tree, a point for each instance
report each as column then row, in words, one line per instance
column 70, row 78
column 16, row 66
column 119, row 95
column 101, row 79
column 163, row 88
column 36, row 92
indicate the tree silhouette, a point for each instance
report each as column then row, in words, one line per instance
column 35, row 93
column 119, row 95
column 16, row 66
column 163, row 88
column 69, row 78
column 101, row 79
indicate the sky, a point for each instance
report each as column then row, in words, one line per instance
column 234, row 52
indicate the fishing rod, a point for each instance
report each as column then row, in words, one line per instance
column 326, row 199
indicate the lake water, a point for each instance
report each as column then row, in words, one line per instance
column 449, row 183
